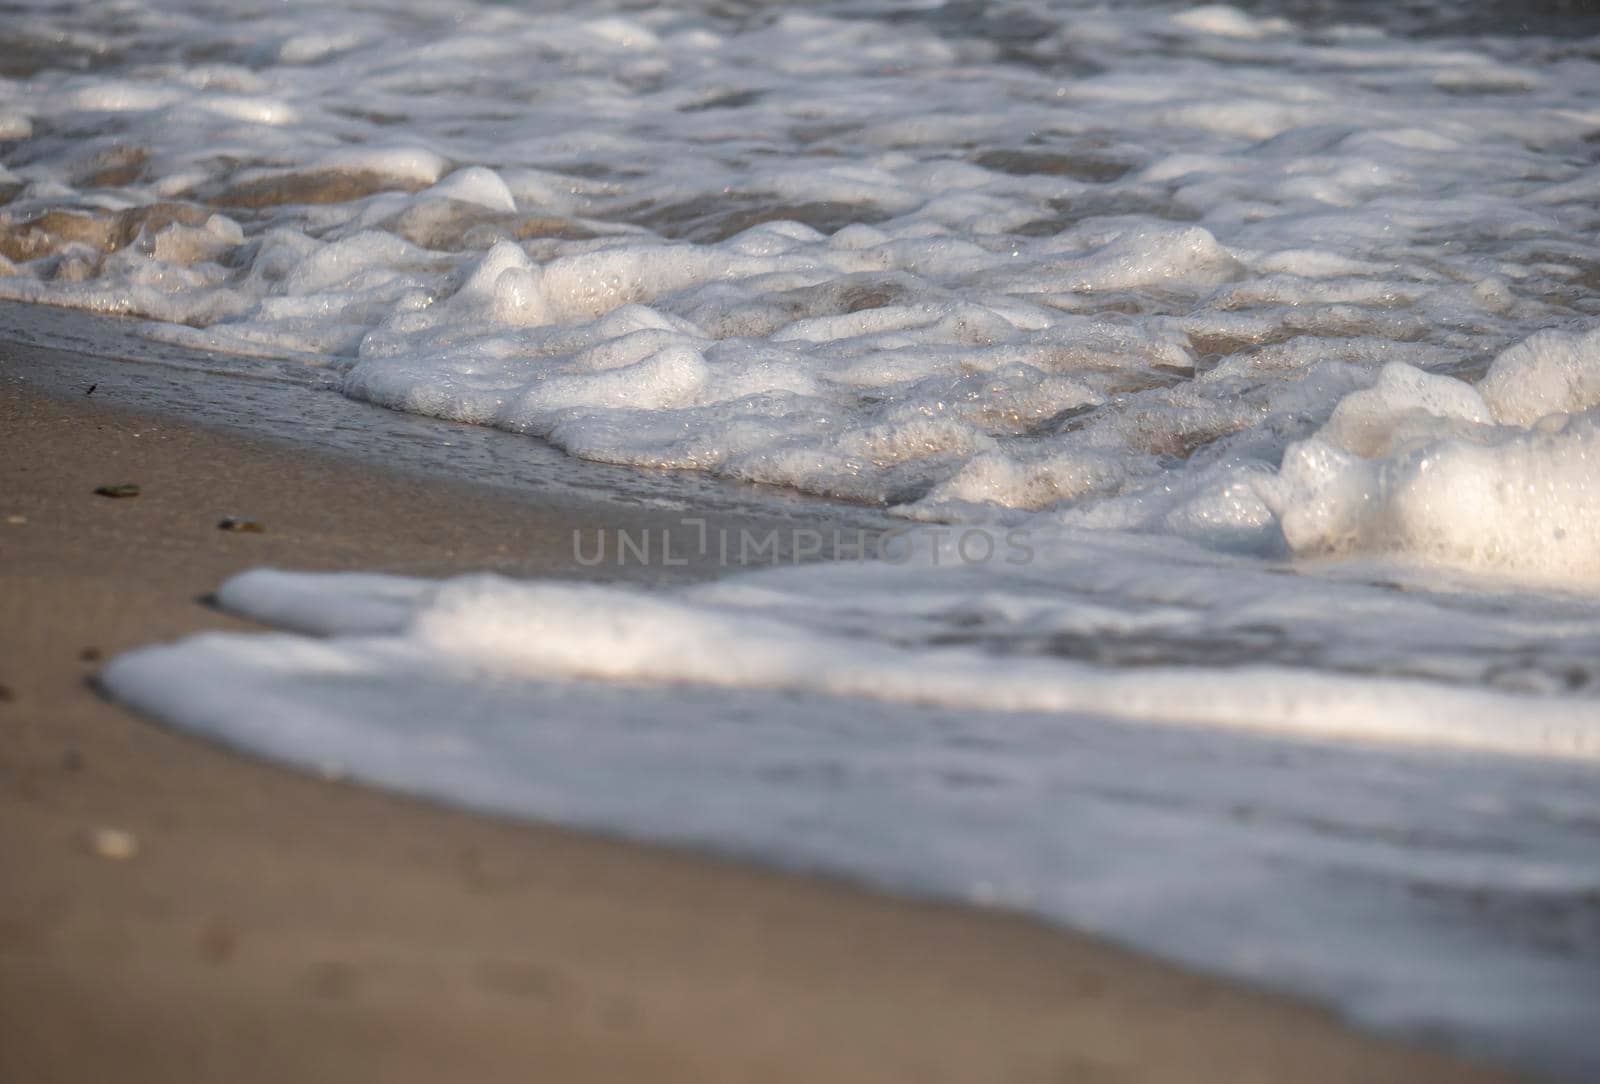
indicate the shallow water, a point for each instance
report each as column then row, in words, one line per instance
column 1254, row 351
column 64, row 352
column 1427, row 892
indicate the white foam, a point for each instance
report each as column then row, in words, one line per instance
column 1550, row 373
column 1228, row 22
column 513, row 630
column 478, row 186
column 930, row 724
column 1313, row 197
column 1404, row 405
column 417, row 165
column 1415, row 466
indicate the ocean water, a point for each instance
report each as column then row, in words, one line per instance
column 1232, row 374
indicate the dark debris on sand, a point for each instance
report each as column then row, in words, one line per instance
column 123, row 489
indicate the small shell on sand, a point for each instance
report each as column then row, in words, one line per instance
column 116, row 844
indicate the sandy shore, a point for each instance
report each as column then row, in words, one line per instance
column 274, row 927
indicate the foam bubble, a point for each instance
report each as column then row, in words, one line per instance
column 1552, row 372
column 1415, row 466
column 476, row 185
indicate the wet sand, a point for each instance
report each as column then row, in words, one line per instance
column 270, row 926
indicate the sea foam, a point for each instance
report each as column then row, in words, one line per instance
column 1372, row 796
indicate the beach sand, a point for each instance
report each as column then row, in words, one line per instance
column 172, row 912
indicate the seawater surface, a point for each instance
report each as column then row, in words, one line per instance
column 1238, row 368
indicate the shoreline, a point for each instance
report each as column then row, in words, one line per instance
column 275, row 926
